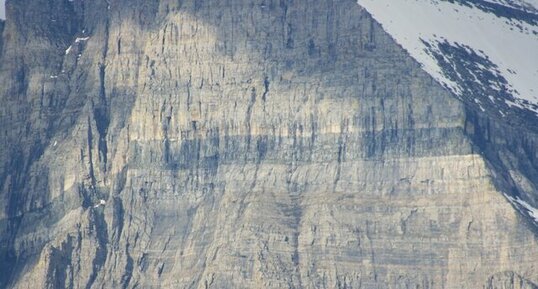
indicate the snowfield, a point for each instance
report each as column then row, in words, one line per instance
column 483, row 49
column 524, row 207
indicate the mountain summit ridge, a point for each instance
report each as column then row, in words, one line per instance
column 483, row 51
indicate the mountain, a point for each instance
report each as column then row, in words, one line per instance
column 263, row 144
column 481, row 50
column 485, row 52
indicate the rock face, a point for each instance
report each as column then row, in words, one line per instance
column 247, row 144
column 509, row 280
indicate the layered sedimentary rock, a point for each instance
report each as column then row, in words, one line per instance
column 247, row 144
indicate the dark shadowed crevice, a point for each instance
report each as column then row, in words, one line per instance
column 500, row 143
column 2, row 25
column 99, row 227
column 102, row 109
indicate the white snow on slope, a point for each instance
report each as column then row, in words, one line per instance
column 533, row 3
column 80, row 39
column 3, row 9
column 516, row 3
column 519, row 203
column 511, row 45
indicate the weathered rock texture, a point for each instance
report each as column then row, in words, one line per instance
column 247, row 144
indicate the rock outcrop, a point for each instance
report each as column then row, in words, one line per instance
column 247, row 144
column 509, row 280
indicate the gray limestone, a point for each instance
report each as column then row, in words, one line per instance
column 247, row 144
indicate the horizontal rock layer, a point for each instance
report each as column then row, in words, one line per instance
column 247, row 144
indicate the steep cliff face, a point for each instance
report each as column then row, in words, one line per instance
column 247, row 144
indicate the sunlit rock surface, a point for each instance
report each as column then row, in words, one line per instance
column 247, row 144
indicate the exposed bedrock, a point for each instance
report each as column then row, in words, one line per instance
column 247, row 144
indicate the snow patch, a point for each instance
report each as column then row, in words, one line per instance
column 77, row 41
column 500, row 44
column 3, row 9
column 80, row 39
column 101, row 203
column 531, row 211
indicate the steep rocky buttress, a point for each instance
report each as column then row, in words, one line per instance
column 247, row 144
